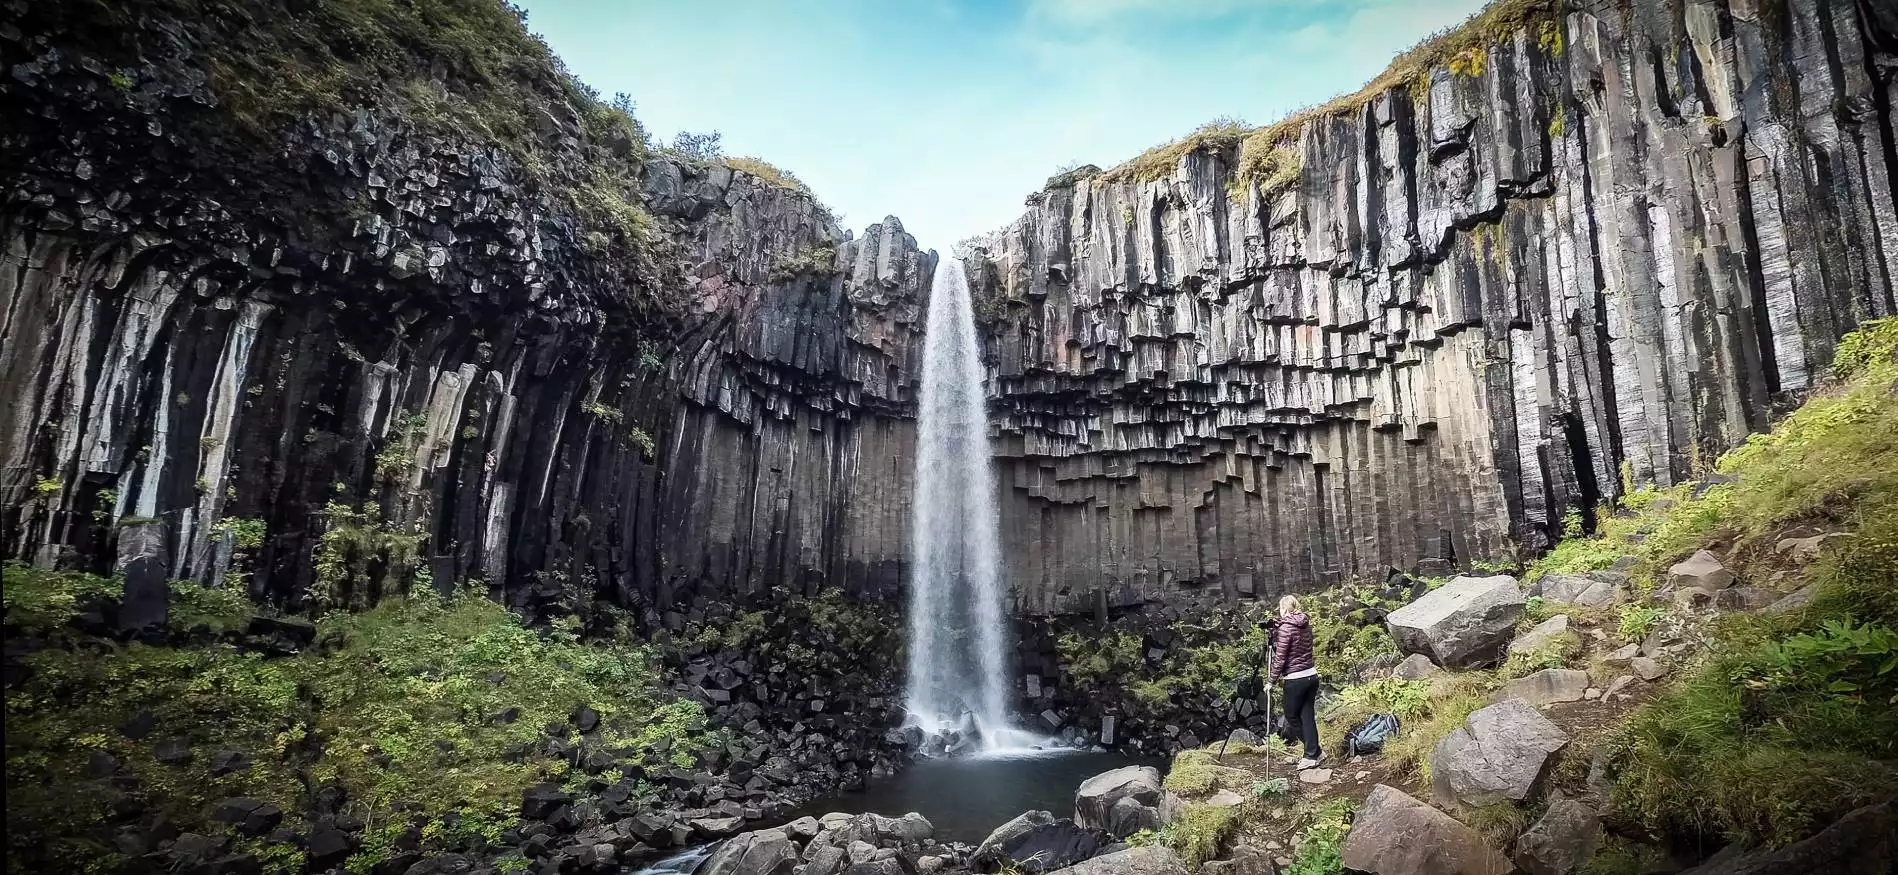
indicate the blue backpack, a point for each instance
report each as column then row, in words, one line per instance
column 1369, row 737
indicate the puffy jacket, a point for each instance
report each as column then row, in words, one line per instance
column 1291, row 645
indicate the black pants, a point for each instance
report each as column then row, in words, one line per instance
column 1301, row 711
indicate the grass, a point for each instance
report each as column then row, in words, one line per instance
column 1452, row 699
column 424, row 711
column 1792, row 722
column 1223, row 134
column 770, row 173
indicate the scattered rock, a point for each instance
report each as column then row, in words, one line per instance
column 1616, row 686
column 1561, row 842
column 1416, row 667
column 1243, row 736
column 1803, row 550
column 1700, row 571
column 1501, row 753
column 1315, row 776
column 541, row 801
column 716, row 827
column 1026, row 822
column 1097, row 804
column 225, row 762
column 1621, row 655
column 1149, row 860
column 1574, row 590
column 1541, row 636
column 1462, row 624
column 1592, row 693
column 1744, row 598
column 1546, row 687
column 1648, row 668
column 1798, row 599
column 1396, row 834
column 172, row 751
column 1052, row 846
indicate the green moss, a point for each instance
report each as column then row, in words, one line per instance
column 245, row 533
column 398, row 709
column 1202, row 832
column 220, row 609
column 41, row 600
column 1090, row 660
column 362, row 559
column 1221, row 134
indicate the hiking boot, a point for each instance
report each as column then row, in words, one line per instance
column 1307, row 763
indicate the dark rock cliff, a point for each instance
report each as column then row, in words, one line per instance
column 398, row 348
column 1587, row 249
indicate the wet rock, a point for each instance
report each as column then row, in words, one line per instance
column 1121, row 802
column 1393, row 833
column 1562, row 842
column 1051, row 846
column 716, row 827
column 1464, row 623
column 1026, row 822
column 1500, row 754
column 1702, row 570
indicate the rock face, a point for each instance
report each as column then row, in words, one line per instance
column 1501, row 753
column 1620, row 240
column 1121, row 802
column 408, row 333
column 1393, row 833
column 1864, row 842
column 1466, row 622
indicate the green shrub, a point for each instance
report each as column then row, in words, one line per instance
column 1637, row 620
column 47, row 600
column 220, row 609
column 1092, row 660
column 1319, row 849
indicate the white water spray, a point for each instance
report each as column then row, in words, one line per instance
column 958, row 674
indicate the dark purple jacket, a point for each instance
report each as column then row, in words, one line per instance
column 1291, row 645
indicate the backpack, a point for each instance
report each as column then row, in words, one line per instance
column 1369, row 737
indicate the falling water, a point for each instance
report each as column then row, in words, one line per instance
column 958, row 676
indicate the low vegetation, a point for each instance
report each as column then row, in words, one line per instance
column 1268, row 155
column 422, row 713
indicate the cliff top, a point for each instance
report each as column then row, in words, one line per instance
column 1266, row 155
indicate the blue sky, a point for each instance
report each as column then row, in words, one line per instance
column 947, row 114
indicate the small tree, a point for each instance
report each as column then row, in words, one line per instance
column 705, row 146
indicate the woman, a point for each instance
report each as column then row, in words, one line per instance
column 1292, row 662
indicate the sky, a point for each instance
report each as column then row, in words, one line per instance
column 948, row 113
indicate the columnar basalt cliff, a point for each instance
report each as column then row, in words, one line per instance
column 1583, row 248
column 380, row 345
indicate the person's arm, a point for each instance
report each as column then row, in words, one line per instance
column 1281, row 649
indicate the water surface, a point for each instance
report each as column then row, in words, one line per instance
column 967, row 797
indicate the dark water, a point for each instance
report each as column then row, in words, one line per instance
column 967, row 797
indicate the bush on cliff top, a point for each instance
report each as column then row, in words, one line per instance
column 426, row 712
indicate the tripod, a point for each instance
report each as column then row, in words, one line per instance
column 1249, row 688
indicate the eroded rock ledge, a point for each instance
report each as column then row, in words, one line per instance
column 364, row 341
column 1595, row 251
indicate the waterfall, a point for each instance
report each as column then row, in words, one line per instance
column 958, row 671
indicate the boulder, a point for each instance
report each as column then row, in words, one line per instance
column 1462, row 624
column 1797, row 599
column 1570, row 589
column 1744, row 598
column 1546, row 687
column 1149, row 860
column 1621, row 655
column 1561, row 842
column 1123, row 801
column 1541, row 636
column 1243, row 736
column 1416, row 667
column 1699, row 571
column 1864, row 842
column 761, row 852
column 715, row 827
column 1499, row 754
column 1026, row 822
column 1394, row 833
column 1052, row 846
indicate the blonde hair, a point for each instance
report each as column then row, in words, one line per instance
column 1288, row 604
